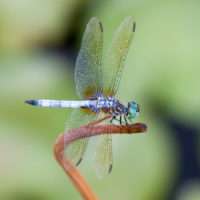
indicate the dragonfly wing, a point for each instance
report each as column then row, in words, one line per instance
column 112, row 73
column 102, row 157
column 88, row 71
column 116, row 55
column 76, row 150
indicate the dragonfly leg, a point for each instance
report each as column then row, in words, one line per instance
column 125, row 124
column 122, row 123
column 113, row 117
column 128, row 123
column 120, row 120
column 125, row 120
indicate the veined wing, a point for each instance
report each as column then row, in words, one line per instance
column 79, row 117
column 88, row 78
column 112, row 73
column 116, row 55
column 88, row 71
column 102, row 157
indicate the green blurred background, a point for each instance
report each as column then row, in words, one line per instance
column 39, row 42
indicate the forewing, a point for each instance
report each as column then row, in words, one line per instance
column 88, row 72
column 116, row 55
column 79, row 117
column 102, row 157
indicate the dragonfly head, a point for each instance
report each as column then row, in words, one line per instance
column 133, row 110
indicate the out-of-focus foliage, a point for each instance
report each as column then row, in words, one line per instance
column 161, row 74
column 25, row 24
column 189, row 191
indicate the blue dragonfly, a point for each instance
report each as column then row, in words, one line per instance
column 96, row 85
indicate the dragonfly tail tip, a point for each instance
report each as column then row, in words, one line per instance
column 31, row 102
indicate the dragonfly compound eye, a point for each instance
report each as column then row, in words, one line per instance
column 133, row 110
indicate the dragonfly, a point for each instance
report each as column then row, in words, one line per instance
column 96, row 86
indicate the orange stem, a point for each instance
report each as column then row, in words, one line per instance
column 71, row 135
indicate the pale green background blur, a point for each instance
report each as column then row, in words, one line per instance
column 39, row 41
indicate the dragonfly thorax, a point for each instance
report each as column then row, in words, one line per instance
column 105, row 103
column 113, row 106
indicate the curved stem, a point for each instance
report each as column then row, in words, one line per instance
column 66, row 138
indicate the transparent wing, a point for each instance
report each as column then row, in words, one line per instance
column 116, row 55
column 112, row 73
column 102, row 157
column 88, row 72
column 79, row 117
